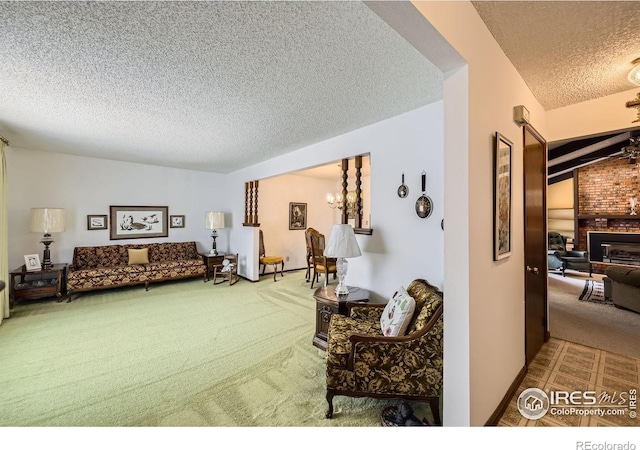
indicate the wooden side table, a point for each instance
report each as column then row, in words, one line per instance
column 211, row 262
column 44, row 283
column 328, row 304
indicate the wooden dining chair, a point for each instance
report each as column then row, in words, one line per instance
column 270, row 260
column 320, row 263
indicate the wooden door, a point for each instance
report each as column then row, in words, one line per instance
column 535, row 236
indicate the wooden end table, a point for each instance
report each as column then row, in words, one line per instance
column 43, row 283
column 328, row 304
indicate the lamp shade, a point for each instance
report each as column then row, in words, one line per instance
column 342, row 243
column 47, row 220
column 214, row 220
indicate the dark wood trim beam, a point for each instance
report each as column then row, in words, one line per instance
column 358, row 206
column 345, row 184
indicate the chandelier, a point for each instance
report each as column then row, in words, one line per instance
column 336, row 201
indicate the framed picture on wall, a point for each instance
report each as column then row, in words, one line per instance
column 502, row 198
column 135, row 222
column 96, row 222
column 297, row 216
column 176, row 221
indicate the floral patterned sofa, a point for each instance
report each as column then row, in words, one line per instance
column 362, row 362
column 108, row 266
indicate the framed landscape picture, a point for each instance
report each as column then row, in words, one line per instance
column 96, row 222
column 297, row 216
column 135, row 222
column 502, row 198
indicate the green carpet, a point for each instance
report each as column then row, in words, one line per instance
column 185, row 353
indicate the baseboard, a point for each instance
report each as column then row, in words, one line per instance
column 502, row 407
column 270, row 274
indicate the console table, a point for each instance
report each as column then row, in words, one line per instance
column 37, row 284
column 328, row 304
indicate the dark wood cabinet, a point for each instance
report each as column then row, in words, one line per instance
column 328, row 304
column 25, row 285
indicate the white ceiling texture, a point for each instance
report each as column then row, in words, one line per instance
column 218, row 86
column 213, row 86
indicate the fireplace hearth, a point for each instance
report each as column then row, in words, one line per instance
column 614, row 248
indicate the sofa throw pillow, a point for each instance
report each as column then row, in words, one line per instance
column 397, row 314
column 138, row 256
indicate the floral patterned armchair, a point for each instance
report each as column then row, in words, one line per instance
column 362, row 362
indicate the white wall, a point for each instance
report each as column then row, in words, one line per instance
column 403, row 246
column 494, row 294
column 597, row 116
column 85, row 186
column 275, row 195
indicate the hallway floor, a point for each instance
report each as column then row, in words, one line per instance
column 565, row 366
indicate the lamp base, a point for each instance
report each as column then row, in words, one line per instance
column 214, row 251
column 46, row 256
column 341, row 270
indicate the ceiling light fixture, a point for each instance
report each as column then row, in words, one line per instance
column 634, row 74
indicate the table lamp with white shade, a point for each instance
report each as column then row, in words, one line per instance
column 47, row 221
column 342, row 244
column 214, row 220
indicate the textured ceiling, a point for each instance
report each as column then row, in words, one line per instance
column 222, row 85
column 213, row 86
column 567, row 52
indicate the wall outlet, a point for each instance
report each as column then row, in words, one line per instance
column 287, row 258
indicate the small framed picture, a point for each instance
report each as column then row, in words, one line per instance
column 176, row 221
column 32, row 263
column 297, row 216
column 96, row 222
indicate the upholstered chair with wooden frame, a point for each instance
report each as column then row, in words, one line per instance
column 320, row 264
column 362, row 362
column 270, row 259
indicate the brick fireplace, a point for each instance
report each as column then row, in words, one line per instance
column 603, row 199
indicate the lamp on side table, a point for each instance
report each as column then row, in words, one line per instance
column 47, row 221
column 214, row 221
column 342, row 244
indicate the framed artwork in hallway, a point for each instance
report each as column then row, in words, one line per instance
column 502, row 198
